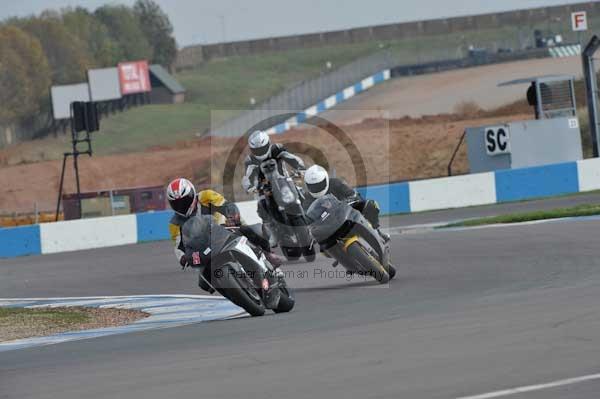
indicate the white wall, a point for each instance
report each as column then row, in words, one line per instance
column 81, row 234
column 453, row 192
column 588, row 172
column 248, row 212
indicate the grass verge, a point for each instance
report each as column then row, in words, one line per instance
column 576, row 211
column 17, row 323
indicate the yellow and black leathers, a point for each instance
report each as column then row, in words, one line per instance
column 210, row 203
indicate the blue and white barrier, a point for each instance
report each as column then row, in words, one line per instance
column 424, row 195
column 487, row 188
column 331, row 101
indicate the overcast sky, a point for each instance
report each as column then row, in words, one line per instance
column 211, row 21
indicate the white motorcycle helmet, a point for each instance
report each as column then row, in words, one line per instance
column 260, row 145
column 316, row 179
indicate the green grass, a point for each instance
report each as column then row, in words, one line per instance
column 16, row 323
column 148, row 126
column 576, row 211
column 42, row 316
column 223, row 84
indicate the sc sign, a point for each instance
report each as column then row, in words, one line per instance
column 497, row 140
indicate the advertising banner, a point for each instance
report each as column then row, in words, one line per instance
column 134, row 77
column 104, row 84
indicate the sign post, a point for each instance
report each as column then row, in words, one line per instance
column 579, row 23
column 84, row 117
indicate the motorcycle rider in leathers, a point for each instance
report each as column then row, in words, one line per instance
column 183, row 199
column 318, row 184
column 261, row 149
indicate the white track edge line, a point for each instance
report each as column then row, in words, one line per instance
column 531, row 388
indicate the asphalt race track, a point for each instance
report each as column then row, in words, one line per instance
column 470, row 313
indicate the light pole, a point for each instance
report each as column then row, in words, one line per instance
column 223, row 35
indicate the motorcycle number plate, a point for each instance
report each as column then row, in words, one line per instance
column 196, row 258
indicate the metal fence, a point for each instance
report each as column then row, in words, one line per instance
column 304, row 95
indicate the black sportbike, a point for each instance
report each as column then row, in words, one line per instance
column 284, row 203
column 235, row 269
column 345, row 234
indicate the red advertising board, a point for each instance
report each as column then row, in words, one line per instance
column 134, row 77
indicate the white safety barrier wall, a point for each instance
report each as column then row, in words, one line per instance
column 248, row 212
column 453, row 192
column 88, row 233
column 588, row 174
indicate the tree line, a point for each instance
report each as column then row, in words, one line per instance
column 58, row 47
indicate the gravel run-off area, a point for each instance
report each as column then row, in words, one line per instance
column 17, row 323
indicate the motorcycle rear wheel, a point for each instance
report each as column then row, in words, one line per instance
column 309, row 253
column 286, row 300
column 291, row 253
column 391, row 272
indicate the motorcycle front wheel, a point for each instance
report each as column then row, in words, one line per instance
column 369, row 264
column 239, row 289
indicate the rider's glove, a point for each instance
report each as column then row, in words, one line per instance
column 247, row 185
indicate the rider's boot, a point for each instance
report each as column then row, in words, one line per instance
column 384, row 236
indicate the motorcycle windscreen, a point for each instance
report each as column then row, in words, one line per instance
column 269, row 167
column 326, row 215
column 203, row 237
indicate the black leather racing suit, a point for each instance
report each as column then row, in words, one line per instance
column 343, row 192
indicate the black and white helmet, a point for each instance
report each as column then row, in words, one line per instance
column 317, row 181
column 260, row 145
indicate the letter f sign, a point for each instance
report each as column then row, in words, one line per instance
column 579, row 21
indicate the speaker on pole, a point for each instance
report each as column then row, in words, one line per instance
column 85, row 116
